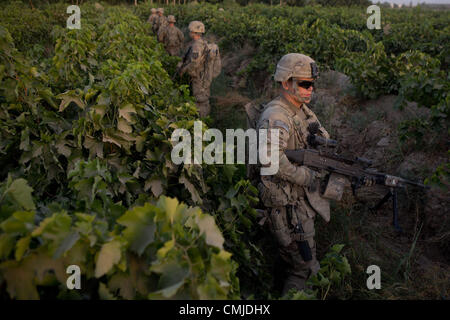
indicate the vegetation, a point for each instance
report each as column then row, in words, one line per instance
column 86, row 118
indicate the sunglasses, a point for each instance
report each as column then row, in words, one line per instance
column 305, row 84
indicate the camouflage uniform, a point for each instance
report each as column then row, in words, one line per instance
column 286, row 194
column 172, row 37
column 152, row 19
column 160, row 22
column 200, row 81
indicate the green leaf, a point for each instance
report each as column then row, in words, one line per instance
column 124, row 284
column 6, row 245
column 21, row 193
column 344, row 266
column 68, row 97
column 162, row 252
column 140, row 227
column 337, row 248
column 104, row 292
column 173, row 277
column 20, row 221
column 170, row 206
column 21, row 246
column 66, row 244
column 109, row 255
column 207, row 226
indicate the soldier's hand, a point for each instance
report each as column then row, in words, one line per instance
column 368, row 181
column 313, row 179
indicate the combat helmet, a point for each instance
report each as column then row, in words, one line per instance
column 153, row 10
column 171, row 19
column 160, row 10
column 295, row 65
column 196, row 26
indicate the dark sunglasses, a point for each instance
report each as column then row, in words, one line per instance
column 305, row 84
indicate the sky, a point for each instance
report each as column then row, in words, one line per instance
column 414, row 1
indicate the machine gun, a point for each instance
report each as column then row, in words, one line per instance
column 355, row 170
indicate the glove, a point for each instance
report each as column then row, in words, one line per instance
column 312, row 179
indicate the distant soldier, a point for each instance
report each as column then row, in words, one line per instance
column 161, row 21
column 152, row 18
column 172, row 37
column 202, row 62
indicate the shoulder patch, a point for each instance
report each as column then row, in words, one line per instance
column 281, row 124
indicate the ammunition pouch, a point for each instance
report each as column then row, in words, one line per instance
column 303, row 236
column 274, row 192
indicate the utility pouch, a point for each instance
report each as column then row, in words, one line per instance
column 274, row 192
column 279, row 226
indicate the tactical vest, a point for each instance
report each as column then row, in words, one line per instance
column 276, row 192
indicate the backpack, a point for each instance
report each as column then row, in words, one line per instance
column 213, row 63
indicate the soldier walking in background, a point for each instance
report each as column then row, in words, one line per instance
column 202, row 62
column 172, row 37
column 152, row 18
column 161, row 21
column 291, row 196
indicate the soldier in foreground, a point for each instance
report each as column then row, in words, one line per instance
column 172, row 37
column 160, row 22
column 152, row 18
column 202, row 62
column 290, row 196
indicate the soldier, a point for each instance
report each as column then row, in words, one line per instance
column 194, row 65
column 152, row 18
column 172, row 37
column 161, row 21
column 291, row 195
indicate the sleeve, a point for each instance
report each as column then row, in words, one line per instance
column 288, row 171
column 180, row 37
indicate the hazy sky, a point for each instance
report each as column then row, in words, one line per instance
column 413, row 1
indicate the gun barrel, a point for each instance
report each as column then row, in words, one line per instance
column 393, row 181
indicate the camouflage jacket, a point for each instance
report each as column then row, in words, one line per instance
column 286, row 187
column 195, row 60
column 152, row 19
column 160, row 23
column 172, row 37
